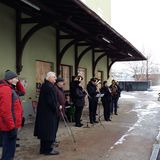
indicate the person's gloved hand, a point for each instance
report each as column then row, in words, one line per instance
column 13, row 133
column 60, row 107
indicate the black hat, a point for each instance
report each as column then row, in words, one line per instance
column 93, row 79
column 60, row 79
column 9, row 75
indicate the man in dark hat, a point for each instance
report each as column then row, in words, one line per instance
column 10, row 112
column 78, row 99
column 61, row 100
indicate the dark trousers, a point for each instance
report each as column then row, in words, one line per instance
column 114, row 105
column 106, row 110
column 9, row 146
column 46, row 146
column 0, row 139
column 78, row 114
column 92, row 110
column 58, row 119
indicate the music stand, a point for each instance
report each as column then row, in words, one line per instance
column 99, row 95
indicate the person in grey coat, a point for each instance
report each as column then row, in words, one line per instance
column 47, row 115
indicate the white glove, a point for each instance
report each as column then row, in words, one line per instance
column 60, row 107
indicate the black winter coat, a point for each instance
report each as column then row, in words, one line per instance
column 79, row 98
column 92, row 91
column 107, row 95
column 47, row 113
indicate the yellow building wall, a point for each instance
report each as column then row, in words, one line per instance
column 7, row 39
column 41, row 46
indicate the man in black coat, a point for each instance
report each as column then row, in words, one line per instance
column 78, row 100
column 47, row 114
column 93, row 100
column 106, row 101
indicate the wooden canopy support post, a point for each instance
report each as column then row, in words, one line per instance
column 76, row 59
column 18, row 43
column 58, row 51
column 97, row 60
column 22, row 41
column 61, row 51
column 80, row 56
column 108, row 67
column 93, row 60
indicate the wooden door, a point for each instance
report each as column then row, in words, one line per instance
column 66, row 73
column 42, row 68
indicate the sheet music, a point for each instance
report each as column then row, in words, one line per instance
column 99, row 95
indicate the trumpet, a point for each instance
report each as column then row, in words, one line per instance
column 78, row 78
column 98, row 81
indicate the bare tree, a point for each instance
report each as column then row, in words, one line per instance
column 140, row 70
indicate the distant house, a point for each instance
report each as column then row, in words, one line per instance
column 154, row 78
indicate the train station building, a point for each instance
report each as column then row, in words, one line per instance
column 69, row 37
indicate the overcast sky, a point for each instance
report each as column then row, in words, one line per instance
column 139, row 22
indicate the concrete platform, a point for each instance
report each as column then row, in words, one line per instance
column 129, row 136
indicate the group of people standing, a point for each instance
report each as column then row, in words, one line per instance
column 109, row 96
column 50, row 108
column 52, row 101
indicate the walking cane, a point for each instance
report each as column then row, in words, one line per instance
column 87, row 126
column 99, row 118
column 69, row 130
column 74, row 140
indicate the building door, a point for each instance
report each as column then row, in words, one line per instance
column 66, row 73
column 42, row 68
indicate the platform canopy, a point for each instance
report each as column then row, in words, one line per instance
column 78, row 21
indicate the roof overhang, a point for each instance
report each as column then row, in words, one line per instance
column 77, row 20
